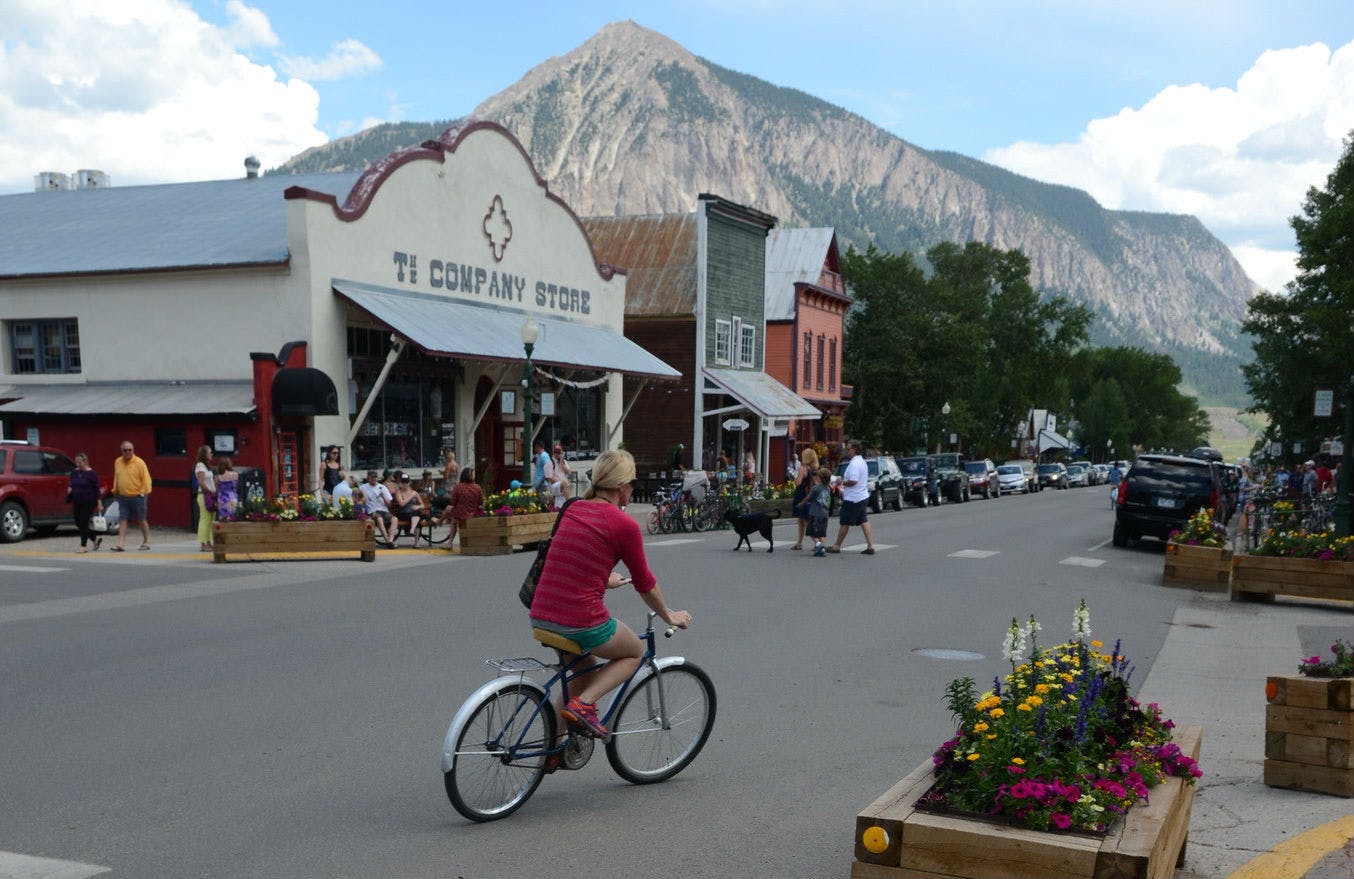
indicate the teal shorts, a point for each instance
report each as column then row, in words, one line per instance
column 585, row 638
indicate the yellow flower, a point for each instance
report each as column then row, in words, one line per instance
column 1019, row 761
column 1034, row 700
column 1041, row 688
column 980, row 727
column 990, row 736
column 996, row 713
column 1024, row 706
column 1097, row 644
column 972, row 757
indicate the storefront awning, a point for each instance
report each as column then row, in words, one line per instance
column 304, row 391
column 759, row 392
column 147, row 399
column 1051, row 439
column 440, row 326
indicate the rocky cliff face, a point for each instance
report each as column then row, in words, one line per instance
column 632, row 123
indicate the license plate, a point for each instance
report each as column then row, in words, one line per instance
column 1169, row 503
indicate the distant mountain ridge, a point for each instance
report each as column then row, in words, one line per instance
column 632, row 123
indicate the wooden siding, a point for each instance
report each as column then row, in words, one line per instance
column 665, row 413
column 735, row 282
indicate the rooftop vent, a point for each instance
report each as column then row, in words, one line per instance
column 251, row 167
column 89, row 178
column 50, row 181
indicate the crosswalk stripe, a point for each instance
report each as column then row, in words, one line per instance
column 973, row 554
column 674, row 541
column 31, row 569
column 1082, row 562
column 16, row 866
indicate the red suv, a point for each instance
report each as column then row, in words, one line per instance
column 33, row 484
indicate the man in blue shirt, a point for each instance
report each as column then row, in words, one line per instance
column 542, row 462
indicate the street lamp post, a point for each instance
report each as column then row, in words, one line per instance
column 1341, row 510
column 945, row 426
column 530, row 331
column 1109, row 450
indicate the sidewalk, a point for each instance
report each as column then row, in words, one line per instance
column 1211, row 671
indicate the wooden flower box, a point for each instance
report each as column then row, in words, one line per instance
column 1260, row 578
column 895, row 840
column 294, row 538
column 1309, row 734
column 500, row 535
column 1208, row 568
column 784, row 506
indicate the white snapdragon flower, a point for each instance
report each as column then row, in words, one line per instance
column 1081, row 623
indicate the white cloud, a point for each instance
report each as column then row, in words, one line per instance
column 1240, row 159
column 143, row 89
column 345, row 58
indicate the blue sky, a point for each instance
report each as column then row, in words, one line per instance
column 1225, row 110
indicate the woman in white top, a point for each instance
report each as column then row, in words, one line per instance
column 557, row 474
column 206, row 482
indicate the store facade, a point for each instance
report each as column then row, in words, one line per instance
column 382, row 313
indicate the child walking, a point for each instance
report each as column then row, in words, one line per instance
column 819, row 500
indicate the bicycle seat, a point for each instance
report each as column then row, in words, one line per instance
column 556, row 640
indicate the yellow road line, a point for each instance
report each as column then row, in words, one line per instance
column 1292, row 858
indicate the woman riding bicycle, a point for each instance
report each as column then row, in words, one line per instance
column 594, row 534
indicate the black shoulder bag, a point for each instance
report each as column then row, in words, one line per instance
column 528, row 590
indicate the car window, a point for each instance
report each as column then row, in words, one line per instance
column 872, row 467
column 57, row 463
column 4, row 455
column 1049, row 468
column 976, row 467
column 912, row 466
column 1167, row 476
column 1010, row 468
column 28, row 462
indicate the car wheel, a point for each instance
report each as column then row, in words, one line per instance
column 876, row 504
column 898, row 501
column 1120, row 538
column 967, row 496
column 13, row 522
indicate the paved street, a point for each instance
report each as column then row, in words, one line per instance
column 161, row 716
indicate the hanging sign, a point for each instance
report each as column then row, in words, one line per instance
column 1325, row 401
column 737, row 424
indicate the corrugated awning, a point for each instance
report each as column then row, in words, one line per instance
column 130, row 398
column 1051, row 439
column 761, row 393
column 441, row 326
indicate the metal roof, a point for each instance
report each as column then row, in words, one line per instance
column 131, row 398
column 442, row 326
column 761, row 393
column 658, row 255
column 147, row 228
column 793, row 256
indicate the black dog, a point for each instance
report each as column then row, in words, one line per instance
column 746, row 523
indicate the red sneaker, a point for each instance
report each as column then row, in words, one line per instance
column 583, row 716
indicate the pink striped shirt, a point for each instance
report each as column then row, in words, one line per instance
column 591, row 539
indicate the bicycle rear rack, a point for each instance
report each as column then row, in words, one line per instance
column 520, row 664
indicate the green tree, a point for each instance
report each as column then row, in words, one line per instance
column 1152, row 414
column 1304, row 338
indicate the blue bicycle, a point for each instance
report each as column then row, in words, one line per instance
column 506, row 737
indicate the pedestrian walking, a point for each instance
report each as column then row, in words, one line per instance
column 855, row 494
column 819, row 504
column 84, row 494
column 131, row 486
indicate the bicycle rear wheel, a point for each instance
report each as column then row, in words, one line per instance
column 641, row 749
column 486, row 780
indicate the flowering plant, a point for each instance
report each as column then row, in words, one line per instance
column 1342, row 666
column 1306, row 545
column 1201, row 530
column 1062, row 745
column 255, row 507
column 516, row 502
column 780, row 490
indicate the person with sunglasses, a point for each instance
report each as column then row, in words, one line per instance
column 594, row 534
column 131, row 486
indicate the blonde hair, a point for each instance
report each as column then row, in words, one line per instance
column 809, row 458
column 613, row 468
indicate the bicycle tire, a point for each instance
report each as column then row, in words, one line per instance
column 640, row 750
column 434, row 535
column 481, row 784
column 654, row 523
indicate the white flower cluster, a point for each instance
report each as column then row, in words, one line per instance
column 1013, row 645
column 1081, row 623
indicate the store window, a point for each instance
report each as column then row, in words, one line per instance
column 807, row 381
column 832, row 364
column 577, row 422
column 821, row 358
column 411, row 420
column 44, row 346
column 171, row 442
column 723, row 334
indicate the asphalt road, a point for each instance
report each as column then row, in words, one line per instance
column 165, row 717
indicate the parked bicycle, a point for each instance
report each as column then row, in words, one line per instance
column 506, row 737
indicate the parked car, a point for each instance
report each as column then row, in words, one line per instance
column 1031, row 474
column 886, row 483
column 1100, row 474
column 1160, row 493
column 33, row 484
column 1052, row 476
column 1011, row 479
column 1078, row 475
column 916, row 472
column 954, row 481
column 982, row 478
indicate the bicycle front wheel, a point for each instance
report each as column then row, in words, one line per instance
column 662, row 724
column 500, row 752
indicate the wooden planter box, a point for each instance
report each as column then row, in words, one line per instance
column 783, row 505
column 293, row 538
column 1309, row 734
column 1197, row 567
column 500, row 535
column 1148, row 842
column 1260, row 578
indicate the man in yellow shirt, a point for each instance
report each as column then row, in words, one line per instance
column 131, row 485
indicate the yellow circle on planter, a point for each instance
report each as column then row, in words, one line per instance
column 875, row 839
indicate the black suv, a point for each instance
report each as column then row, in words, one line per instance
column 917, row 472
column 886, row 483
column 1160, row 493
column 954, row 479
